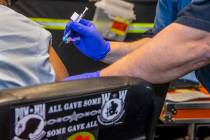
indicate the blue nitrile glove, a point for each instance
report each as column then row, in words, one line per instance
column 91, row 43
column 83, row 76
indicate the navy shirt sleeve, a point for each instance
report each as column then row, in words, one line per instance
column 196, row 15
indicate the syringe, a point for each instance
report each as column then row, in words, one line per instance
column 76, row 18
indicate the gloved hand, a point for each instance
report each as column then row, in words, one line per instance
column 83, row 76
column 91, row 43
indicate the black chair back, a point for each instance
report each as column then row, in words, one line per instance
column 95, row 109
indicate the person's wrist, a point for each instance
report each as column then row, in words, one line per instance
column 83, row 76
column 104, row 53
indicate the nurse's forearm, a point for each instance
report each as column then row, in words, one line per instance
column 120, row 49
column 175, row 51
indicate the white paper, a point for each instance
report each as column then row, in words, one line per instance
column 186, row 95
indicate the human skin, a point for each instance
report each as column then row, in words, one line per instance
column 120, row 49
column 172, row 53
column 4, row 2
column 59, row 68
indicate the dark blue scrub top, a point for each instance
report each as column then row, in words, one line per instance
column 167, row 12
column 197, row 15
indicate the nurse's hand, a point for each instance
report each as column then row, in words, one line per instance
column 87, row 39
column 83, row 76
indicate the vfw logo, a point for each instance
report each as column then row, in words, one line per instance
column 113, row 108
column 30, row 122
column 82, row 136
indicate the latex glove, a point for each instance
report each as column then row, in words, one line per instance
column 83, row 76
column 90, row 42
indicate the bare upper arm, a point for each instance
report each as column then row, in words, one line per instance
column 59, row 68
